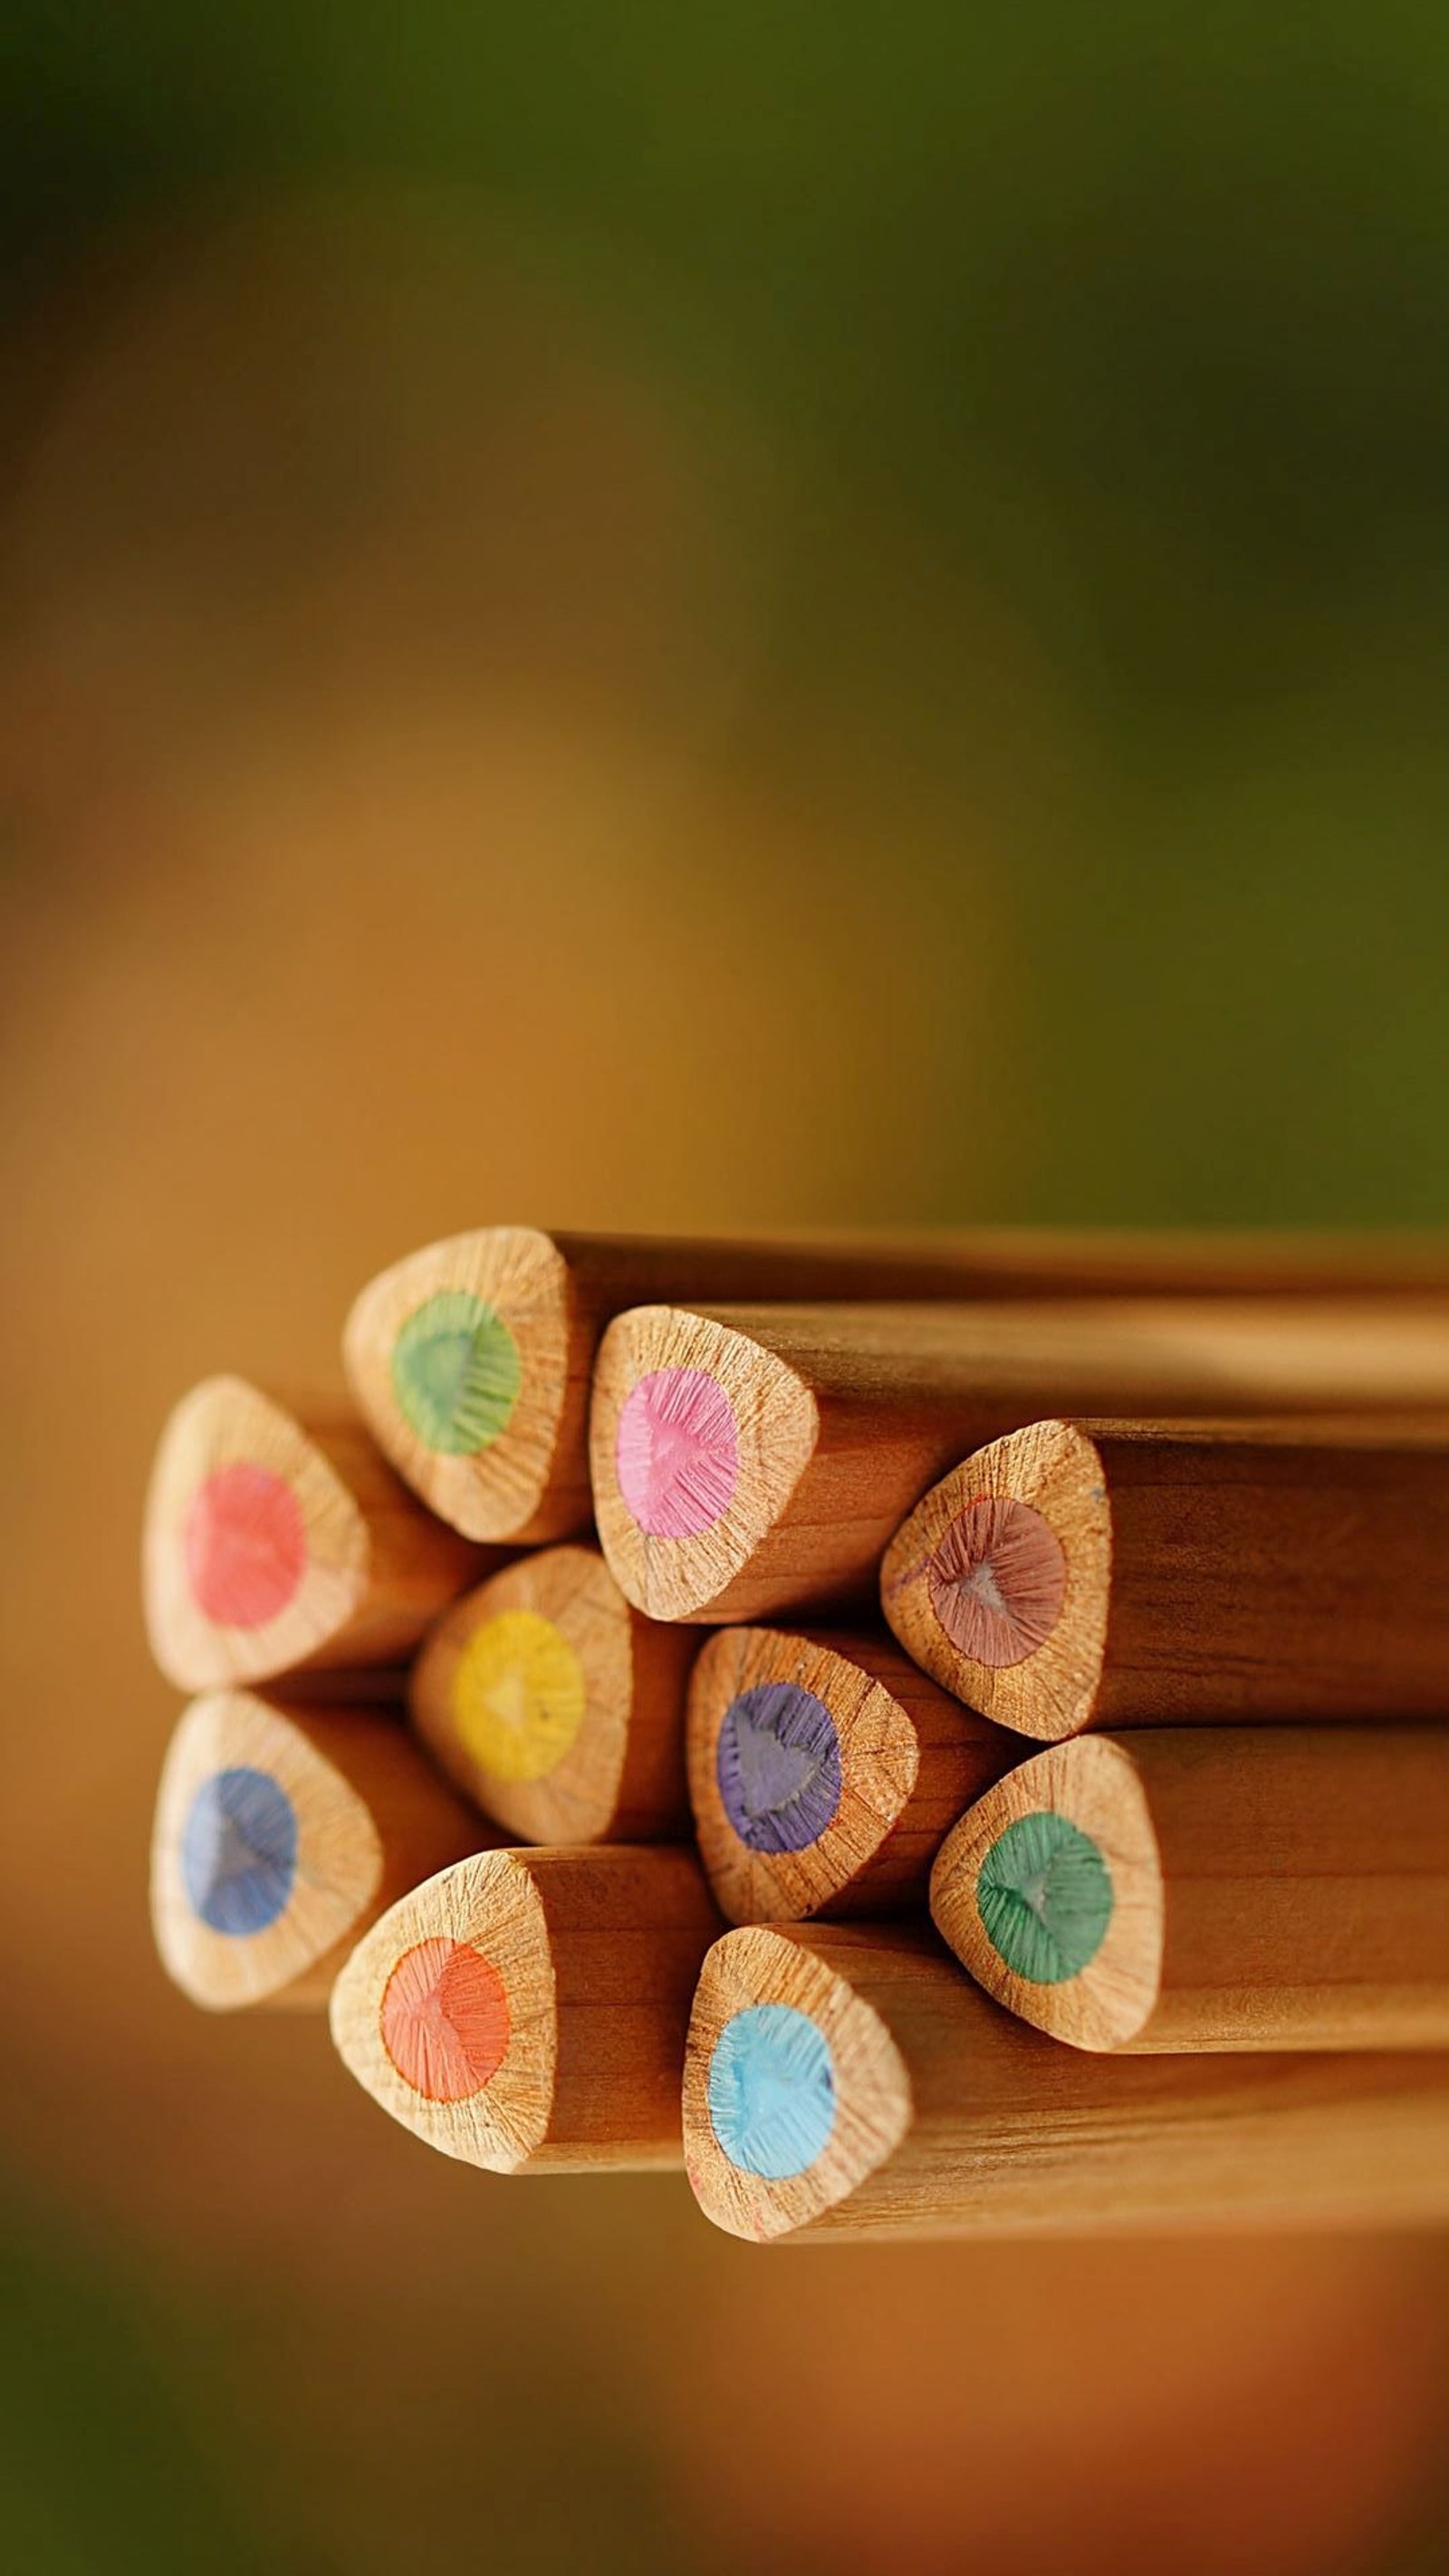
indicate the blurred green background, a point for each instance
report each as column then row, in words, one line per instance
column 655, row 617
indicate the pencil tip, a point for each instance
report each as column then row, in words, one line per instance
column 1044, row 1895
column 456, row 1373
column 239, row 1851
column 997, row 1580
column 771, row 2091
column 778, row 1766
column 676, row 1452
column 444, row 2019
column 244, row 1545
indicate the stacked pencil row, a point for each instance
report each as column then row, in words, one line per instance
column 1177, row 1512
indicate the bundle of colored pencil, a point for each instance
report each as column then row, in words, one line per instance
column 1036, row 1649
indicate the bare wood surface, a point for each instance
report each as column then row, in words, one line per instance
column 370, row 1819
column 554, row 1293
column 818, row 1428
column 825, row 1771
column 546, row 1996
column 558, row 1707
column 1213, row 1888
column 1210, row 1572
column 371, row 1568
column 951, row 2118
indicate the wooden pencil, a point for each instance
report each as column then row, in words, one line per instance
column 1213, row 1888
column 749, row 1460
column 557, row 1706
column 846, row 2080
column 824, row 1772
column 526, row 2011
column 1079, row 1574
column 471, row 1359
column 281, row 1833
column 280, row 1542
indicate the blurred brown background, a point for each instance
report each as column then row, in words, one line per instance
column 666, row 620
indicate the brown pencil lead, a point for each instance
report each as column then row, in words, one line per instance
column 750, row 1460
column 1081, row 1574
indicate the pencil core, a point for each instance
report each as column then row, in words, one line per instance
column 456, row 1373
column 1044, row 1896
column 519, row 1695
column 778, row 1767
column 444, row 2020
column 997, row 1580
column 239, row 1851
column 772, row 2091
column 676, row 1452
column 244, row 1545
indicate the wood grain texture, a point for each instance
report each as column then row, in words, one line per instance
column 825, row 1770
column 843, row 1416
column 1211, row 1572
column 596, row 1954
column 1267, row 1889
column 558, row 1707
column 357, row 1574
column 553, row 1294
column 366, row 1818
column 951, row 2118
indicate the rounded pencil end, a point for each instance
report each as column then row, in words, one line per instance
column 445, row 2013
column 997, row 1583
column 460, row 1359
column 524, row 1694
column 255, row 1553
column 800, row 1764
column 794, row 2091
column 264, row 1858
column 1049, row 1891
column 698, row 1437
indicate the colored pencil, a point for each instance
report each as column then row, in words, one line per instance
column 846, row 2080
column 526, row 2010
column 471, row 1359
column 281, row 1833
column 557, row 1706
column 824, row 1772
column 1138, row 1574
column 751, row 1460
column 278, row 1542
column 1213, row 1888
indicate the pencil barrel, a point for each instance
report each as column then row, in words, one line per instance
column 1129, row 1499
column 278, row 1542
column 558, row 1707
column 282, row 1831
column 749, row 1461
column 526, row 2011
column 472, row 1358
column 1085, row 1574
column 893, row 2099
column 825, row 1771
column 1215, row 1888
